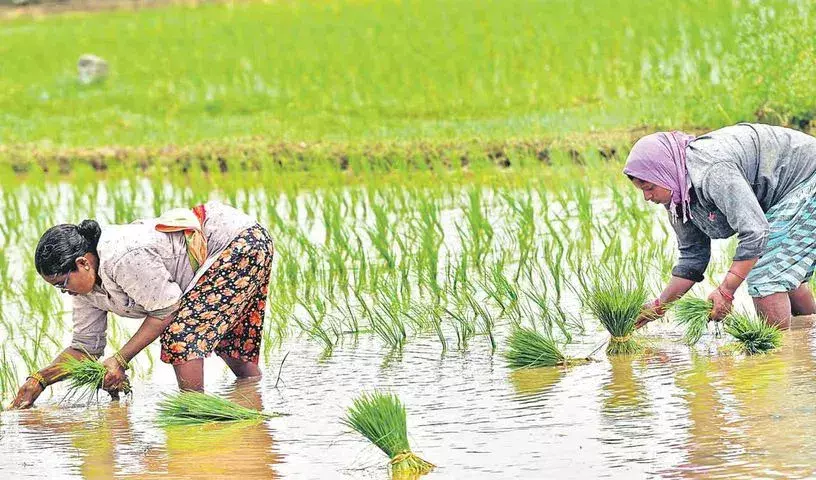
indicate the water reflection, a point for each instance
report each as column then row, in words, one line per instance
column 93, row 438
column 626, row 410
column 664, row 414
column 751, row 416
column 119, row 441
column 623, row 396
column 214, row 451
column 227, row 450
column 535, row 382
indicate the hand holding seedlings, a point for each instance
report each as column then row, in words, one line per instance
column 115, row 377
column 652, row 310
column 722, row 300
column 617, row 306
column 676, row 288
column 87, row 376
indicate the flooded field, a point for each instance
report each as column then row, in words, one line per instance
column 442, row 182
column 668, row 414
column 412, row 284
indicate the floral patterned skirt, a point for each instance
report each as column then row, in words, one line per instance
column 224, row 312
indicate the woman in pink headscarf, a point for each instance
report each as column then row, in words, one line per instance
column 755, row 181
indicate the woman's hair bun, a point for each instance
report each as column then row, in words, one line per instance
column 91, row 231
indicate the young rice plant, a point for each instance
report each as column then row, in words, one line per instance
column 380, row 417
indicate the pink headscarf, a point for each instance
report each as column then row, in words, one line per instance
column 660, row 158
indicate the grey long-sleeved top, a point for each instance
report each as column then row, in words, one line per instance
column 737, row 173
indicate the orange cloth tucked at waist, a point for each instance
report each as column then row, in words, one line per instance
column 191, row 222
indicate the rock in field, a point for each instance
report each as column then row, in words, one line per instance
column 91, row 69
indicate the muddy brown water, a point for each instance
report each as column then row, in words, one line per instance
column 670, row 413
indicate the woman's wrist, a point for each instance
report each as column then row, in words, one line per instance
column 38, row 378
column 121, row 360
column 658, row 306
column 726, row 293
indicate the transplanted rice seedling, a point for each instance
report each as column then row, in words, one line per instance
column 318, row 328
column 463, row 326
column 488, row 322
column 85, row 378
column 193, row 408
column 380, row 417
column 8, row 377
column 529, row 348
column 754, row 335
column 693, row 314
column 617, row 306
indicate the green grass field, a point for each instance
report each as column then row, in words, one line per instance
column 360, row 72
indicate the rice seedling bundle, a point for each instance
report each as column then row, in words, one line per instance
column 380, row 417
column 693, row 314
column 529, row 348
column 754, row 335
column 617, row 307
column 194, row 408
column 85, row 377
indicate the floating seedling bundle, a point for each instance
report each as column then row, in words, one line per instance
column 193, row 408
column 617, row 306
column 380, row 417
column 754, row 335
column 529, row 348
column 85, row 378
column 693, row 314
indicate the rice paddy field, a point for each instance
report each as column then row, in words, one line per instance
column 442, row 183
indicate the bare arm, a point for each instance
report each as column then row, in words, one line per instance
column 149, row 331
column 737, row 273
column 676, row 288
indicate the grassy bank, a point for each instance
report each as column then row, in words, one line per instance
column 256, row 154
column 372, row 73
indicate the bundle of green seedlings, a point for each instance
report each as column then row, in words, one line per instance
column 380, row 417
column 194, row 408
column 693, row 314
column 530, row 348
column 85, row 378
column 617, row 306
column 754, row 334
